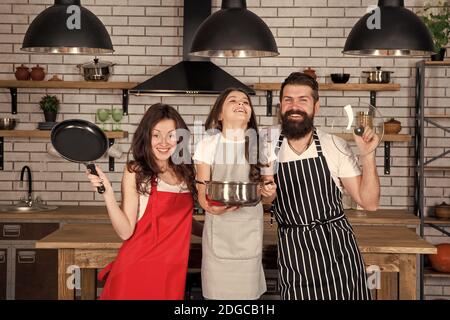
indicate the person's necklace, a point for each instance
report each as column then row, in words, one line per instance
column 299, row 153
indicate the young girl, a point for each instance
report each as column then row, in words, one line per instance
column 155, row 216
column 232, row 236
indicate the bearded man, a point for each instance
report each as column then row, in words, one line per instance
column 318, row 257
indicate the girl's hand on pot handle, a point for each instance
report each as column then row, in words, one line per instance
column 97, row 181
column 269, row 189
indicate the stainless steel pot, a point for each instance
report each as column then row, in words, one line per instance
column 96, row 70
column 378, row 76
column 8, row 123
column 228, row 193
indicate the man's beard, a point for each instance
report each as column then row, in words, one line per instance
column 296, row 129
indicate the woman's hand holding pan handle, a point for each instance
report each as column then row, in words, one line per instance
column 100, row 182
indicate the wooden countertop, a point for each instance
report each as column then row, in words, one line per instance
column 61, row 213
column 382, row 216
column 373, row 239
column 99, row 213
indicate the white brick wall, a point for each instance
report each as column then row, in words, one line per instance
column 147, row 36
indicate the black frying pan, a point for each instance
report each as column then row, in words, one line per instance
column 80, row 141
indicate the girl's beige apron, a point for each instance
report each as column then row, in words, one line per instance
column 232, row 242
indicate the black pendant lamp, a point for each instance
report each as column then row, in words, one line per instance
column 399, row 33
column 234, row 32
column 67, row 27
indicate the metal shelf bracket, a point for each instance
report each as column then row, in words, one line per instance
column 125, row 99
column 2, row 149
column 269, row 99
column 111, row 159
column 387, row 157
column 13, row 92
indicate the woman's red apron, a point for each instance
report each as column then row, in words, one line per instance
column 152, row 264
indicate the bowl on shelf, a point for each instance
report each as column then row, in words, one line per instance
column 8, row 123
column 441, row 261
column 392, row 126
column 340, row 77
column 442, row 211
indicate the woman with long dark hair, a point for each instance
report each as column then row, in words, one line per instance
column 155, row 215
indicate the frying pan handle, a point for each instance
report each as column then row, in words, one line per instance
column 91, row 168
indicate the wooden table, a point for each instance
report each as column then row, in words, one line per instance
column 99, row 214
column 92, row 246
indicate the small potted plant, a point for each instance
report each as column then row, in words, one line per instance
column 437, row 19
column 50, row 105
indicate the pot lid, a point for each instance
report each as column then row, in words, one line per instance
column 97, row 64
column 378, row 70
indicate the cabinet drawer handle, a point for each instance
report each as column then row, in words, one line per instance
column 11, row 230
column 2, row 256
column 26, row 257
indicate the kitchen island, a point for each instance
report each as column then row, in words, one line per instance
column 98, row 214
column 393, row 249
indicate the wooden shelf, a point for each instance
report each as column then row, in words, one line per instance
column 387, row 137
column 442, row 116
column 373, row 88
column 335, row 86
column 437, row 168
column 438, row 63
column 428, row 272
column 46, row 134
column 67, row 84
column 437, row 221
column 12, row 85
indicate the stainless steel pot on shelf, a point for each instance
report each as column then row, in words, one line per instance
column 96, row 70
column 378, row 76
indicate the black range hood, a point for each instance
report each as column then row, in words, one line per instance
column 193, row 75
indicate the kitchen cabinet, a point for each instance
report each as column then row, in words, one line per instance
column 35, row 274
column 26, row 231
column 422, row 162
column 27, row 273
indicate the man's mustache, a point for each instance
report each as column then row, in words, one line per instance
column 299, row 112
